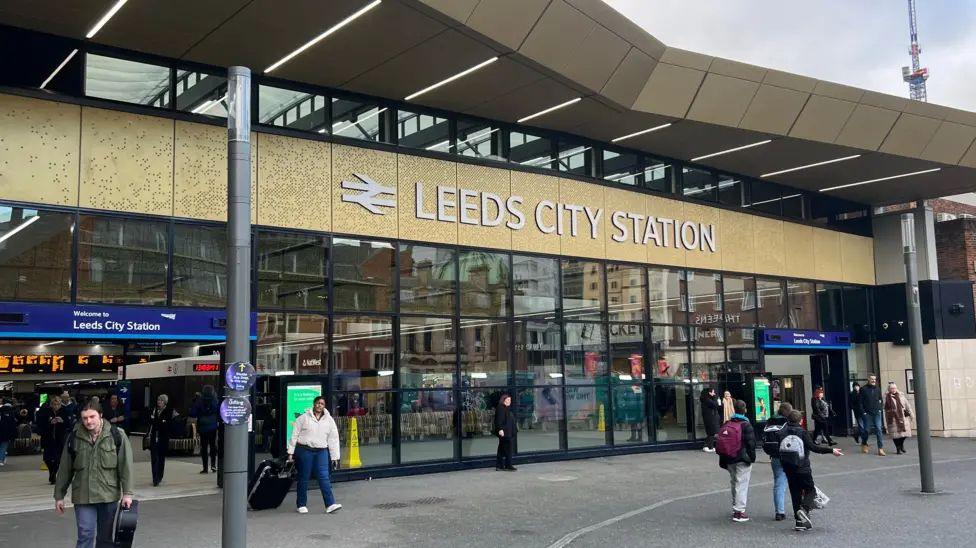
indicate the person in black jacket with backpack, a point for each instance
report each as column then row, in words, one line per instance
column 771, row 447
column 794, row 454
column 506, row 430
column 205, row 411
column 736, row 448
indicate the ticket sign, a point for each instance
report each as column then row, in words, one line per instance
column 235, row 410
column 298, row 399
column 239, row 376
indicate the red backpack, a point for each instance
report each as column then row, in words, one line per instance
column 728, row 442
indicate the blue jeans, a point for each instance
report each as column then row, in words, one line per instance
column 779, row 486
column 869, row 422
column 94, row 518
column 318, row 461
column 3, row 450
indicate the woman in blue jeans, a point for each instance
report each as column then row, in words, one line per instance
column 314, row 444
column 771, row 447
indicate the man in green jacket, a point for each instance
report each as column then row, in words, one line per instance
column 97, row 463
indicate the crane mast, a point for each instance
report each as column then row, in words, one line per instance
column 916, row 75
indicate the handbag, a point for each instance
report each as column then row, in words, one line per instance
column 821, row 499
column 145, row 441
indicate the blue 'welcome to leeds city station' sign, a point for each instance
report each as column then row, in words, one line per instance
column 801, row 340
column 64, row 321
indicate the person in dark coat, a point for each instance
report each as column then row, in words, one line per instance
column 506, row 430
column 160, row 425
column 799, row 475
column 873, row 414
column 114, row 413
column 53, row 424
column 855, row 402
column 205, row 411
column 821, row 416
column 711, row 417
column 8, row 430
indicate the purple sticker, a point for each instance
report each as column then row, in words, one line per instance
column 239, row 376
column 235, row 410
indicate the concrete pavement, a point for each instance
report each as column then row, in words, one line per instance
column 661, row 499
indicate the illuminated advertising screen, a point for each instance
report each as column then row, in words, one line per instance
column 760, row 394
column 298, row 399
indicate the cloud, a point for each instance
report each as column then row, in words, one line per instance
column 863, row 43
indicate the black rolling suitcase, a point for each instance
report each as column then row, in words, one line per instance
column 270, row 484
column 124, row 530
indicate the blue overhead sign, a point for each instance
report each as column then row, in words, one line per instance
column 94, row 322
column 797, row 339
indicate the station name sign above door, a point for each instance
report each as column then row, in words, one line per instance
column 448, row 204
column 795, row 339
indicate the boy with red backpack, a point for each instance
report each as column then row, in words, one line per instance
column 736, row 448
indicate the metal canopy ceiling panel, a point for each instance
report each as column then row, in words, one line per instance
column 499, row 78
column 687, row 139
column 525, row 100
column 617, row 124
column 436, row 59
column 782, row 153
column 574, row 117
column 71, row 19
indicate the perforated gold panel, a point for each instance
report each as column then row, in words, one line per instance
column 493, row 181
column 432, row 174
column 39, row 142
column 379, row 167
column 294, row 183
column 589, row 240
column 626, row 250
column 799, row 251
column 696, row 257
column 534, row 188
column 857, row 256
column 200, row 189
column 827, row 255
column 736, row 242
column 663, row 208
column 126, row 162
column 770, row 246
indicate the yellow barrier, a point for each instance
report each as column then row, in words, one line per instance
column 350, row 458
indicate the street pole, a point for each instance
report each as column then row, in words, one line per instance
column 234, row 517
column 918, row 358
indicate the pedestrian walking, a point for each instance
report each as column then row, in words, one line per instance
column 771, row 447
column 821, row 417
column 160, row 428
column 898, row 417
column 53, row 424
column 114, row 413
column 8, row 430
column 506, row 430
column 736, row 447
column 97, row 464
column 794, row 454
column 314, row 444
column 728, row 406
column 858, row 411
column 872, row 417
column 711, row 411
column 205, row 412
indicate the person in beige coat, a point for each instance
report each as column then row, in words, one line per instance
column 898, row 417
column 728, row 407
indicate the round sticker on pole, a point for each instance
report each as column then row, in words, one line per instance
column 235, row 410
column 239, row 376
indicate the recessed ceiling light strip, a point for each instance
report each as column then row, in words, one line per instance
column 838, row 187
column 731, row 150
column 798, row 168
column 550, row 109
column 322, row 36
column 57, row 70
column 108, row 15
column 642, row 132
column 461, row 74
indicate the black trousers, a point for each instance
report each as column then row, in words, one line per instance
column 821, row 428
column 503, row 458
column 899, row 443
column 802, row 488
column 52, row 459
column 157, row 453
column 208, row 447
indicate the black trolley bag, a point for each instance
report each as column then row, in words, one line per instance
column 270, row 484
column 124, row 525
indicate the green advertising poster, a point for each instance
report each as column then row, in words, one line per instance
column 760, row 391
column 43, row 399
column 299, row 398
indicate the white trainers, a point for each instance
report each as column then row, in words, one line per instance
column 333, row 508
column 708, row 449
column 302, row 510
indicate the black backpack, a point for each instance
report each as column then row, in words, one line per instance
column 116, row 436
column 771, row 438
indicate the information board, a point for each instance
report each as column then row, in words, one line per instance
column 797, row 339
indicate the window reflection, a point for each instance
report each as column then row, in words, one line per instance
column 484, row 283
column 199, row 265
column 585, row 352
column 540, row 415
column 357, row 120
column 427, row 425
column 127, row 81
column 626, row 292
column 372, row 413
column 582, row 289
column 201, row 93
column 704, row 298
column 772, row 303
column 623, row 168
column 669, row 351
column 707, row 352
column 35, row 254
column 803, row 305
column 574, row 158
column 477, row 421
column 739, row 299
column 416, row 130
column 537, row 352
column 671, row 420
column 699, row 184
column 292, row 271
column 122, row 260
column 427, row 279
column 657, row 175
column 362, row 350
column 292, row 109
column 587, row 409
column 364, row 273
column 292, row 342
column 536, row 284
column 629, row 414
column 484, row 352
column 427, row 352
column 830, row 303
column 667, row 296
column 627, row 357
column 478, row 139
column 530, row 150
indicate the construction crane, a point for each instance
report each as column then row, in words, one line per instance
column 915, row 75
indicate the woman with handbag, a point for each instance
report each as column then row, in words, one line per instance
column 160, row 425
column 898, row 414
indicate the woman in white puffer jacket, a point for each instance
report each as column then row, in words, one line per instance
column 314, row 444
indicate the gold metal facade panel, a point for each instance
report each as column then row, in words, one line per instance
column 432, row 174
column 200, row 189
column 799, row 258
column 857, row 257
column 126, row 162
column 352, row 218
column 770, row 246
column 494, row 181
column 737, row 244
column 294, row 183
column 827, row 255
column 697, row 257
column 590, row 235
column 626, row 250
column 667, row 209
column 534, row 188
column 39, row 143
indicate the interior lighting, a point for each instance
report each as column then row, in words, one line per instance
column 57, row 70
column 354, row 122
column 461, row 74
column 642, row 132
column 731, row 150
column 208, row 105
column 550, row 109
column 52, row 343
column 18, row 228
column 108, row 15
column 323, row 36
column 798, row 168
column 881, row 179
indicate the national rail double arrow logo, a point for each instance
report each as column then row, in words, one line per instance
column 373, row 195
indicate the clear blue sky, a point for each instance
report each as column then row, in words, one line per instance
column 863, row 43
